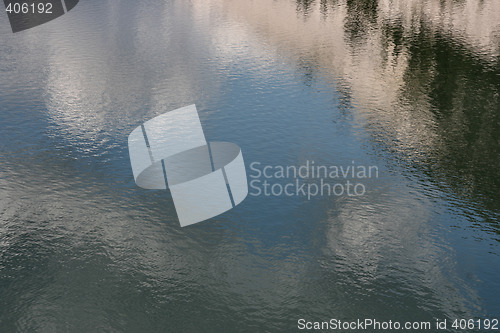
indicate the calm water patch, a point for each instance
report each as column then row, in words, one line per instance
column 411, row 87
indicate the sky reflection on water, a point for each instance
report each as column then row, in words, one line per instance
column 409, row 86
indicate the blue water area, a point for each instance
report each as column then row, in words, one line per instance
column 410, row 89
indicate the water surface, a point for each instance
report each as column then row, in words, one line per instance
column 412, row 87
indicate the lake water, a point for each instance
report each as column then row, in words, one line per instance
column 410, row 87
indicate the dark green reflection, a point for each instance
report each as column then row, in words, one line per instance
column 456, row 80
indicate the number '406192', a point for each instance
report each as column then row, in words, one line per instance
column 31, row 8
column 484, row 324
